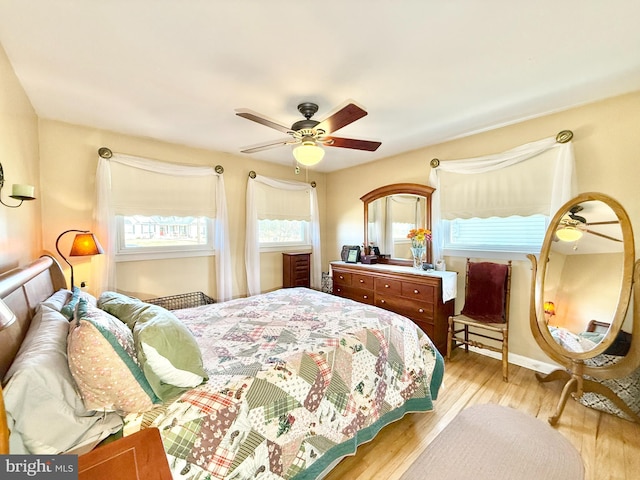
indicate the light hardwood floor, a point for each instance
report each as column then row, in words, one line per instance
column 610, row 446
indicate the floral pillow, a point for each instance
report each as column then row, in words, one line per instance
column 103, row 362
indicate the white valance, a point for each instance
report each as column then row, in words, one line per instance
column 534, row 178
column 274, row 203
column 169, row 190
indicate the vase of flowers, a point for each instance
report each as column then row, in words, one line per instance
column 419, row 238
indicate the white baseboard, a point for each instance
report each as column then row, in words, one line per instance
column 520, row 360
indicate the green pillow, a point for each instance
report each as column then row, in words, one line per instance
column 166, row 349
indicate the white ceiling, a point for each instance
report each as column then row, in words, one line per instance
column 425, row 70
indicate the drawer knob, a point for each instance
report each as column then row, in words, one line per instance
column 341, row 277
column 361, row 281
column 420, row 310
column 416, row 291
column 386, row 285
column 382, row 301
column 339, row 289
column 365, row 296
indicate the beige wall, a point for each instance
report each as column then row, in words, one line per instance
column 68, row 163
column 607, row 155
column 20, row 230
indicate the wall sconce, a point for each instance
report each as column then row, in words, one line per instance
column 85, row 243
column 7, row 317
column 19, row 192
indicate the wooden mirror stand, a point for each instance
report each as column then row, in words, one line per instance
column 579, row 374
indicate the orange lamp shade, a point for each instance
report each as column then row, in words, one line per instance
column 549, row 308
column 85, row 244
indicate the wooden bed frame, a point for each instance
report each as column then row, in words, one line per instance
column 22, row 289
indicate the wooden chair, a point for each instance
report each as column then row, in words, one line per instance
column 486, row 308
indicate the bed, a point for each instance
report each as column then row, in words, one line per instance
column 289, row 382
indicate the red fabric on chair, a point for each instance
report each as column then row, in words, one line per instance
column 486, row 292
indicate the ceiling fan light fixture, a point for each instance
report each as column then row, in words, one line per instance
column 568, row 233
column 308, row 153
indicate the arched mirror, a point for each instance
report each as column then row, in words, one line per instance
column 390, row 212
column 583, row 286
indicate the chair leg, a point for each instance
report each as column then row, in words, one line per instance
column 449, row 338
column 466, row 338
column 505, row 356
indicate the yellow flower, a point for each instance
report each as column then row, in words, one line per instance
column 419, row 236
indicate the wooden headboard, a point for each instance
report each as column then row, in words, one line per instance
column 22, row 289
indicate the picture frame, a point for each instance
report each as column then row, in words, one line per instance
column 345, row 251
column 376, row 251
column 352, row 255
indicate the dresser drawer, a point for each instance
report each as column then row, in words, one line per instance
column 418, row 311
column 418, row 291
column 342, row 278
column 388, row 286
column 357, row 294
column 362, row 281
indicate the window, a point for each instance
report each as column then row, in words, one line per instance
column 284, row 217
column 509, row 234
column 155, row 236
column 277, row 233
column 162, row 214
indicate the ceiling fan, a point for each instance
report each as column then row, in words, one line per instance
column 309, row 134
column 572, row 227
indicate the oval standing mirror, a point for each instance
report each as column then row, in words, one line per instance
column 584, row 273
column 390, row 212
column 583, row 287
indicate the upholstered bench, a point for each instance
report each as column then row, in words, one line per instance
column 493, row 442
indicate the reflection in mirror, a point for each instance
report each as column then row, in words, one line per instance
column 391, row 218
column 390, row 212
column 584, row 275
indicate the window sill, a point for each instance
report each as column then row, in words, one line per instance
column 286, row 248
column 140, row 256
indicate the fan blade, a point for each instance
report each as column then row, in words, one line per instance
column 603, row 235
column 367, row 145
column 610, row 222
column 343, row 117
column 267, row 145
column 262, row 120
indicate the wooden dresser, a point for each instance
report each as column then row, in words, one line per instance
column 296, row 270
column 404, row 290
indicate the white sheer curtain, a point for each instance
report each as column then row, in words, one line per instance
column 554, row 184
column 106, row 222
column 252, row 246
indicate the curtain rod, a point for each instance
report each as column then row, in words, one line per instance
column 564, row 136
column 106, row 153
column 253, row 174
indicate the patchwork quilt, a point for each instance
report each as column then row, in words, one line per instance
column 297, row 380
